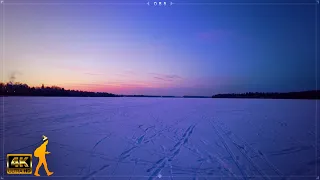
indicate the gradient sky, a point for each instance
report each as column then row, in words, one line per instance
column 185, row 49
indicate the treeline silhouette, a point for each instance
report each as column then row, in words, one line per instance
column 258, row 95
column 20, row 89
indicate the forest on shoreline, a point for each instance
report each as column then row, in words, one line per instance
column 20, row 89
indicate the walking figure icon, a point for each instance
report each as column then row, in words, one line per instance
column 41, row 153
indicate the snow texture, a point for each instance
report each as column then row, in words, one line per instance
column 164, row 138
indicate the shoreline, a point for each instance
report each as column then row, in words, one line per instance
column 253, row 98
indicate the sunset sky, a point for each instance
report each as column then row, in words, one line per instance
column 183, row 49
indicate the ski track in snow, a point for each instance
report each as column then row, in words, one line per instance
column 245, row 149
column 154, row 138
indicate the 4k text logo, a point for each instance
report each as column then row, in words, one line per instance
column 19, row 164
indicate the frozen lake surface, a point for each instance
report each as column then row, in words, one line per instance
column 164, row 138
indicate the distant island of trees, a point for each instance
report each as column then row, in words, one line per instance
column 288, row 95
column 20, row 89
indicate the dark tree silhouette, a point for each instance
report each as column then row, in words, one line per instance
column 19, row 89
column 258, row 95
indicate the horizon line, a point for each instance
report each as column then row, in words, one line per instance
column 214, row 94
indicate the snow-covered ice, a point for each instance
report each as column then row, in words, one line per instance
column 164, row 138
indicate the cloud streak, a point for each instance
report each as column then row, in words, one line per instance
column 166, row 77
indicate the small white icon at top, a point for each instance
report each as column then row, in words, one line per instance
column 159, row 3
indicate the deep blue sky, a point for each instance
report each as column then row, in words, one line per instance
column 185, row 49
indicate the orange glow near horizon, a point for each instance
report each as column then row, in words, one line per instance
column 115, row 87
